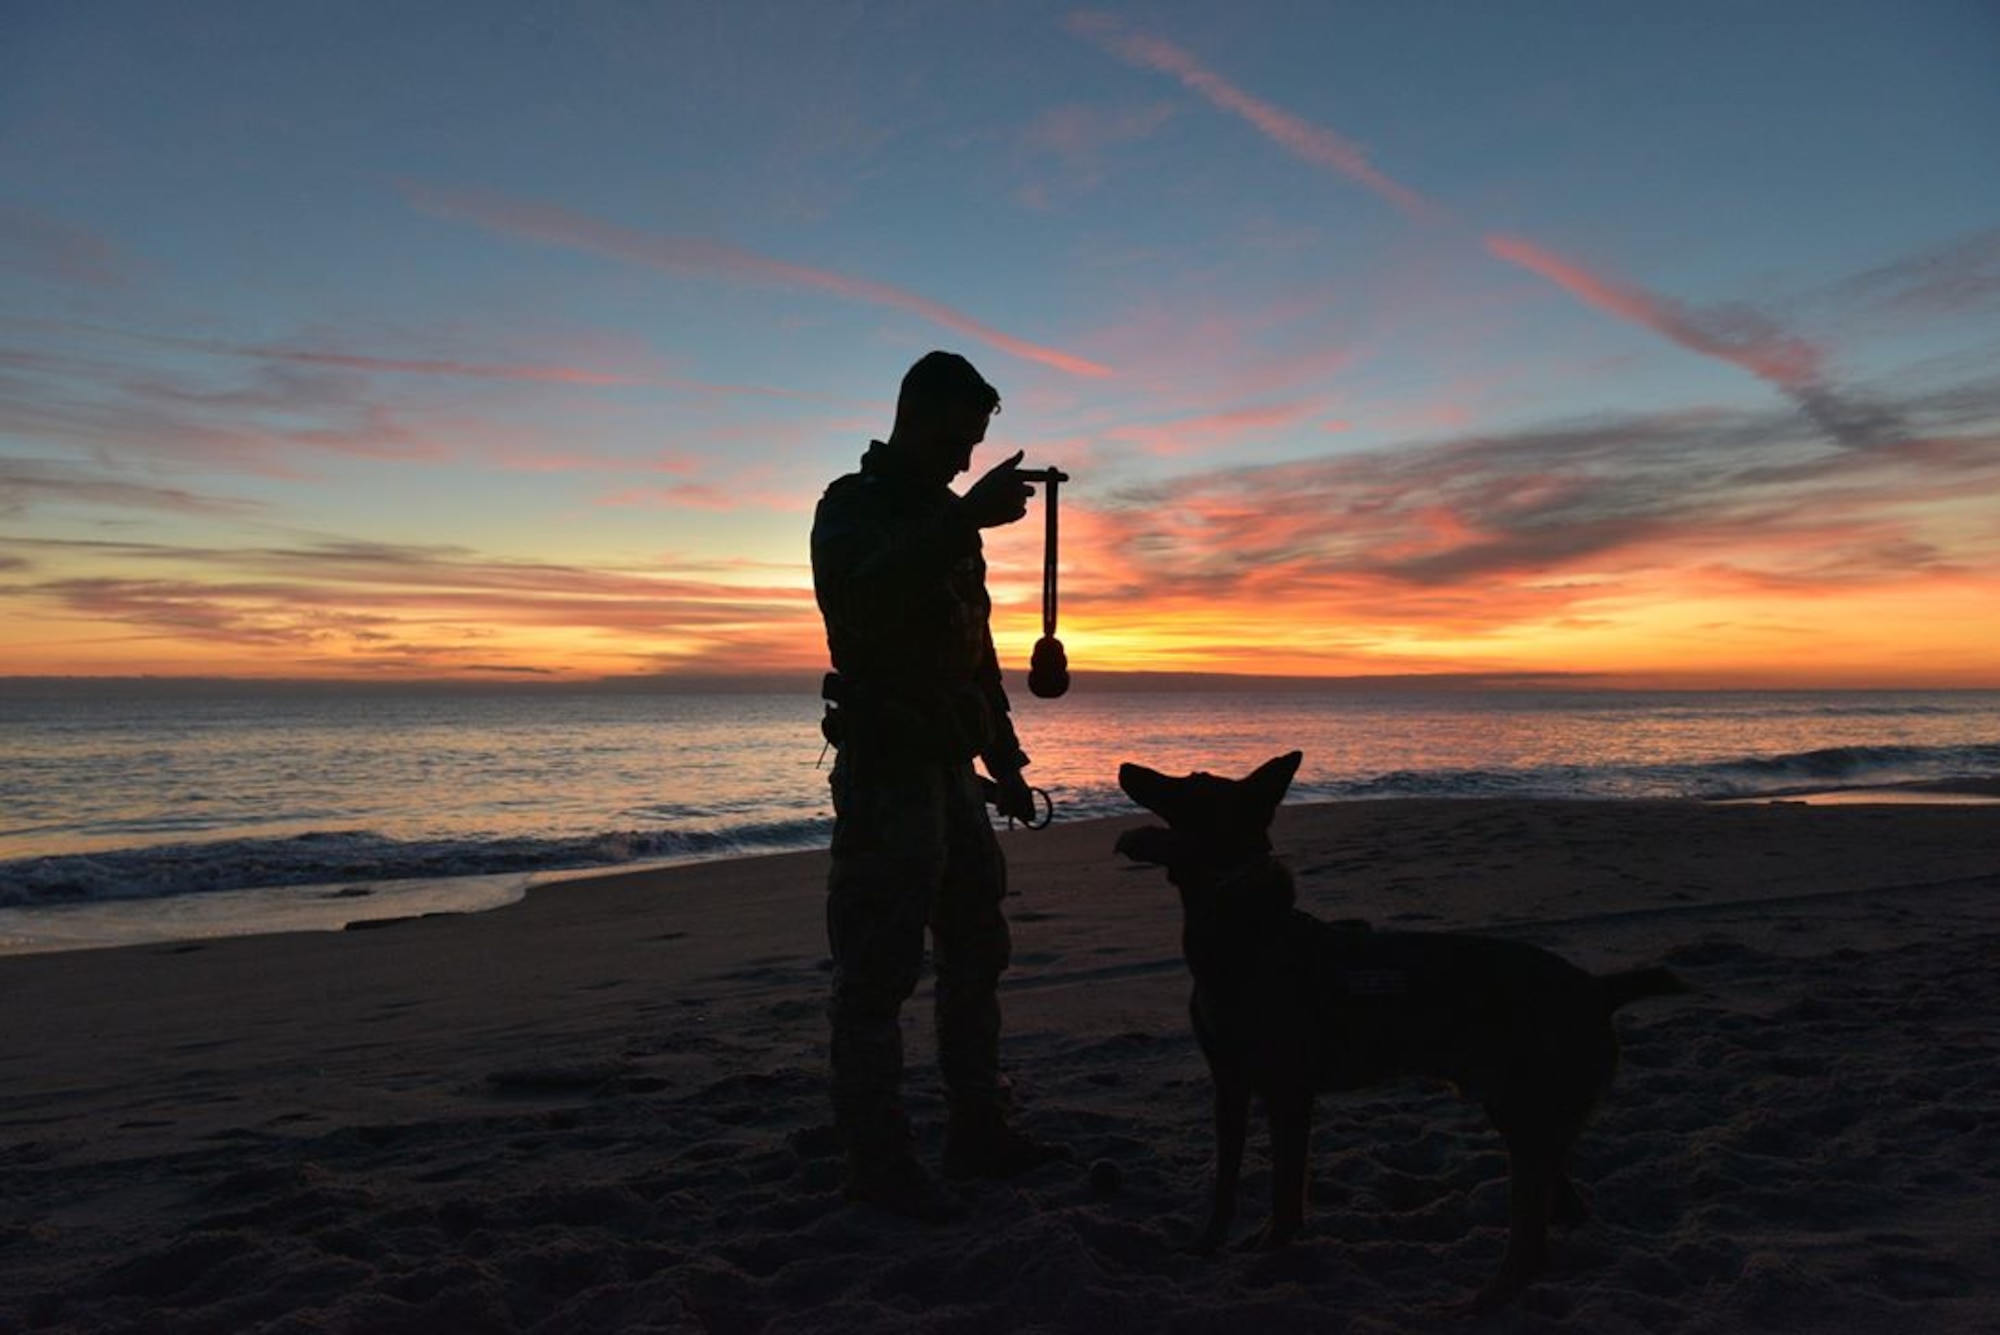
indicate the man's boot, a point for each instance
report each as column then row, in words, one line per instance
column 883, row 1171
column 978, row 1142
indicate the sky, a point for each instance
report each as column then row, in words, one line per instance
column 1656, row 344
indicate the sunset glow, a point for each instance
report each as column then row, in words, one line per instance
column 459, row 342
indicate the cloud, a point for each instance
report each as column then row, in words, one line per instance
column 34, row 243
column 535, row 460
column 339, row 359
column 1076, row 138
column 518, row 372
column 1311, row 143
column 1079, row 133
column 270, row 418
column 549, row 375
column 1551, row 517
column 30, row 482
column 244, row 424
column 398, row 607
column 679, row 496
column 1737, row 334
column 551, row 225
column 1959, row 277
column 1187, row 435
column 1353, row 562
column 1734, row 334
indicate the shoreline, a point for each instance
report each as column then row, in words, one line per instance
column 603, row 1106
column 1920, row 792
column 62, row 928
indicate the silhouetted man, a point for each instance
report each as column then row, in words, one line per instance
column 914, row 698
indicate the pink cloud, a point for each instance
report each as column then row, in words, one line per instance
column 1191, row 354
column 532, row 460
column 1076, row 137
column 1311, row 143
column 1187, row 435
column 557, row 226
column 706, row 496
column 1079, row 133
column 683, row 495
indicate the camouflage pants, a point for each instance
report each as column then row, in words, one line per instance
column 913, row 849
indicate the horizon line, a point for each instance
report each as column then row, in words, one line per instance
column 1161, row 681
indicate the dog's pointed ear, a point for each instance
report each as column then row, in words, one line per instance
column 1270, row 781
column 1130, row 773
column 1148, row 787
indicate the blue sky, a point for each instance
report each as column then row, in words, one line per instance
column 511, row 338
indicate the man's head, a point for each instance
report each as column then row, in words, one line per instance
column 942, row 412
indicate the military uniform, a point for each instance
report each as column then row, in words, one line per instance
column 914, row 698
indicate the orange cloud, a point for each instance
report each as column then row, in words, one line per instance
column 556, row 226
column 1718, row 543
column 1598, row 544
column 345, row 608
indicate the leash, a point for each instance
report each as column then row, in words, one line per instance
column 990, row 790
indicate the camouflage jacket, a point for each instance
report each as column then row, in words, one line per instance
column 901, row 581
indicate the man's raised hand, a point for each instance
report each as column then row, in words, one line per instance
column 1000, row 496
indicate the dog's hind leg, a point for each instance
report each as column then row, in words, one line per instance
column 1291, row 1133
column 1534, row 1170
column 1232, row 1127
column 1567, row 1208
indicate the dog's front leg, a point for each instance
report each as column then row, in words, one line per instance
column 1232, row 1126
column 1291, row 1130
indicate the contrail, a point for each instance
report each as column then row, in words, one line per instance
column 558, row 226
column 1734, row 334
column 1313, row 143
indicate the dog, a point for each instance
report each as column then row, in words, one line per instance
column 1287, row 1006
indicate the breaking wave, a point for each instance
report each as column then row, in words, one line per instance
column 357, row 858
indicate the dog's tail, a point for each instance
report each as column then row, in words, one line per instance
column 1618, row 989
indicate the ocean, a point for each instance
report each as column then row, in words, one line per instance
column 134, row 815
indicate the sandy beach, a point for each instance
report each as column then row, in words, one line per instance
column 602, row 1109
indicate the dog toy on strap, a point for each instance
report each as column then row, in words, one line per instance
column 1048, row 668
